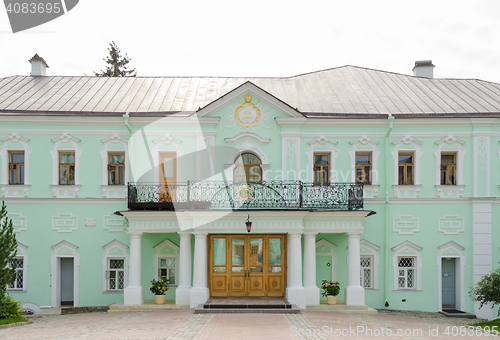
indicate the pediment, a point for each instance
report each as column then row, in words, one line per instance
column 260, row 98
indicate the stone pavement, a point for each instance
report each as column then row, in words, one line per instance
column 183, row 324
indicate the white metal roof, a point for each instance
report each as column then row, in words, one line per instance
column 338, row 91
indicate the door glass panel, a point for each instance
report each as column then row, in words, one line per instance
column 274, row 251
column 219, row 251
column 256, row 251
column 238, row 269
column 275, row 269
column 238, row 252
column 255, row 269
column 168, row 167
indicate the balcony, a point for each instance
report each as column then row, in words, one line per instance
column 268, row 195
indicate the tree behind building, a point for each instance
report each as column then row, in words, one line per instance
column 117, row 64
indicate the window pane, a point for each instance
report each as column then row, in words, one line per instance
column 401, row 282
column 112, row 178
column 238, row 251
column 326, row 175
column 409, row 273
column 256, row 254
column 121, row 175
column 168, row 167
column 451, row 175
column 447, row 159
column 362, row 159
column 121, row 280
column 321, row 159
column 171, row 276
column 71, row 179
column 62, row 178
column 401, row 174
column 17, row 157
column 219, row 251
column 21, row 174
column 116, row 159
column 274, row 251
column 405, row 158
column 409, row 175
column 275, row 269
column 13, row 179
column 67, row 158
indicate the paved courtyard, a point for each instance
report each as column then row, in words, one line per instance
column 183, row 324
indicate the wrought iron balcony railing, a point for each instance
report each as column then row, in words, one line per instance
column 268, row 195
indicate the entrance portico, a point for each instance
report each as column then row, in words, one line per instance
column 301, row 288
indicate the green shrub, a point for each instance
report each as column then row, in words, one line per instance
column 9, row 308
column 487, row 290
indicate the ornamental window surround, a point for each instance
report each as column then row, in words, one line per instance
column 407, row 264
column 20, row 262
column 115, row 263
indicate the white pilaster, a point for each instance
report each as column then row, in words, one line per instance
column 134, row 293
column 295, row 293
column 184, row 285
column 354, row 293
column 312, row 291
column 199, row 293
column 482, row 257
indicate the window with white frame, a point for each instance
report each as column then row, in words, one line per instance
column 166, row 270
column 366, row 268
column 406, row 272
column 17, row 263
column 115, row 275
column 115, row 267
column 407, row 263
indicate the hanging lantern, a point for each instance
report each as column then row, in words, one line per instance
column 248, row 223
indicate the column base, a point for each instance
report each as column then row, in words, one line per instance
column 354, row 296
column 133, row 295
column 297, row 296
column 182, row 295
column 312, row 296
column 198, row 296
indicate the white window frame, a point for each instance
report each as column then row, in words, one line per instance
column 114, row 250
column 14, row 190
column 108, row 274
column 114, row 143
column 166, row 249
column 407, row 144
column 21, row 253
column 368, row 249
column 65, row 191
column 366, row 144
column 408, row 249
column 405, row 272
column 450, row 144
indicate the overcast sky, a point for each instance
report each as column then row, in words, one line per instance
column 263, row 37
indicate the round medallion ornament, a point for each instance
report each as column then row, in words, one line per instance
column 275, row 284
column 219, row 283
column 244, row 194
column 237, row 284
column 247, row 114
column 256, row 284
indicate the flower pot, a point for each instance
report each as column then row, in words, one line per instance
column 331, row 299
column 160, row 299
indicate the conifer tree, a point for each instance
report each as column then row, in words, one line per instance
column 8, row 246
column 117, row 64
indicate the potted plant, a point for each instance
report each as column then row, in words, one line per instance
column 158, row 288
column 331, row 290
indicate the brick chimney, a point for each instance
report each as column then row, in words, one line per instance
column 38, row 66
column 423, row 68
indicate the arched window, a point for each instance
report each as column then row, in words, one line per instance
column 247, row 168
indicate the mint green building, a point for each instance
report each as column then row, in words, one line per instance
column 384, row 182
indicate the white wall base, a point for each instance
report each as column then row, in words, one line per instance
column 133, row 295
column 354, row 295
column 182, row 295
column 296, row 296
column 198, row 296
column 484, row 313
column 312, row 296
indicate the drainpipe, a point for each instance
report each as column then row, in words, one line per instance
column 387, row 184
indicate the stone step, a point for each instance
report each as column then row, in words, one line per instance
column 247, row 309
column 148, row 306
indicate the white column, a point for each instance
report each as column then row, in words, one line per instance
column 354, row 293
column 312, row 291
column 295, row 293
column 199, row 293
column 134, row 293
column 184, row 284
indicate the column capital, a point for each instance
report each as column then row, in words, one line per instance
column 354, row 233
column 310, row 233
column 200, row 234
column 295, row 234
column 134, row 234
column 185, row 233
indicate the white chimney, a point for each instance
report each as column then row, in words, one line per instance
column 423, row 68
column 38, row 66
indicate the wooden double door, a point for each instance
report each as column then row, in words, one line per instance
column 247, row 265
